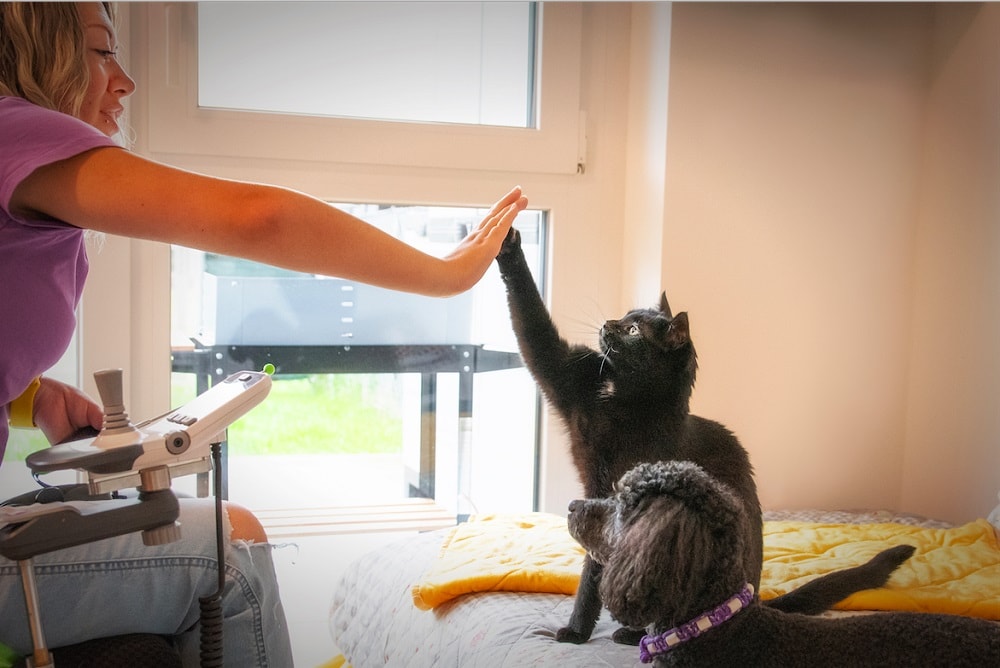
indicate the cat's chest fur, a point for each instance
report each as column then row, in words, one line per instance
column 630, row 425
column 611, row 434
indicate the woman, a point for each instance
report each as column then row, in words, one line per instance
column 61, row 92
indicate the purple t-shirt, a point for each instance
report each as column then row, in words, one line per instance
column 43, row 263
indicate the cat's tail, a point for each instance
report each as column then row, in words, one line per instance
column 824, row 592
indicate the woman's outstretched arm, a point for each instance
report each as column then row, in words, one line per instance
column 114, row 191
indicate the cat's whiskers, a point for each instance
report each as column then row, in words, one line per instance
column 597, row 317
column 604, row 358
column 585, row 329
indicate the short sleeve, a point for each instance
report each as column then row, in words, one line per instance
column 32, row 136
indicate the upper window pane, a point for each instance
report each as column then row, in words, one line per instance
column 445, row 62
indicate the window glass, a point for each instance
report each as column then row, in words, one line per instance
column 453, row 85
column 440, row 406
column 449, row 62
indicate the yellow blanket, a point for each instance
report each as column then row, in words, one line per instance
column 532, row 552
column 954, row 570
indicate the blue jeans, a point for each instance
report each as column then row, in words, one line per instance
column 118, row 586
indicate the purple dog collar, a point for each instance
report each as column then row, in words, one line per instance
column 650, row 647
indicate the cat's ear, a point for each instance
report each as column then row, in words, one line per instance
column 680, row 330
column 665, row 305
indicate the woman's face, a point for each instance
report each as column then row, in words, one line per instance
column 109, row 84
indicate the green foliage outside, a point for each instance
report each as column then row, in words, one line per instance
column 22, row 442
column 316, row 414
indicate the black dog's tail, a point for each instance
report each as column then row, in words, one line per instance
column 824, row 592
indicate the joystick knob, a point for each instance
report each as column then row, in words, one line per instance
column 109, row 386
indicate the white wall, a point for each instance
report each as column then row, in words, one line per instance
column 646, row 152
column 952, row 459
column 798, row 167
column 794, row 138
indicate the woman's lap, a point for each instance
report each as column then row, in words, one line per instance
column 119, row 585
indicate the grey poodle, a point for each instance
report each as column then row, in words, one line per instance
column 671, row 541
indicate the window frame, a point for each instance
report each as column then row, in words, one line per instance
column 177, row 125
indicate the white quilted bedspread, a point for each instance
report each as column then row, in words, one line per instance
column 374, row 622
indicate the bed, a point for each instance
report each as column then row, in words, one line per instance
column 492, row 592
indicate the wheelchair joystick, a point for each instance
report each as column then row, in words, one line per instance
column 109, row 386
column 146, row 456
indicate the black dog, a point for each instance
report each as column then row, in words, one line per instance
column 671, row 541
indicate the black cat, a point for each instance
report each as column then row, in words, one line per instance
column 628, row 403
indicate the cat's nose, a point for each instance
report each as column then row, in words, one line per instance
column 575, row 505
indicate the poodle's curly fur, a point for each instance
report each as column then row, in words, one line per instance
column 671, row 542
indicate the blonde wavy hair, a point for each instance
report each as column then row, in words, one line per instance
column 42, row 54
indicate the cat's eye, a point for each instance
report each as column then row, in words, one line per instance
column 633, row 330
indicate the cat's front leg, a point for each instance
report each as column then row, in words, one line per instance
column 532, row 325
column 586, row 607
column 513, row 266
column 544, row 352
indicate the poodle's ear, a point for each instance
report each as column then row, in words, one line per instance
column 659, row 566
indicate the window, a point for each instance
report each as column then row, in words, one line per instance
column 379, row 395
column 549, row 142
column 340, row 156
column 454, row 62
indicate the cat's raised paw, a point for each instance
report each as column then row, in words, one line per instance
column 511, row 242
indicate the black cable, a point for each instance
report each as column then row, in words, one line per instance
column 211, row 606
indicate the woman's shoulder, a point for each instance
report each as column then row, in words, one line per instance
column 32, row 136
column 20, row 113
column 11, row 104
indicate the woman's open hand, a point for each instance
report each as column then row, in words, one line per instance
column 474, row 254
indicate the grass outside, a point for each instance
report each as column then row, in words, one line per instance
column 22, row 442
column 316, row 414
